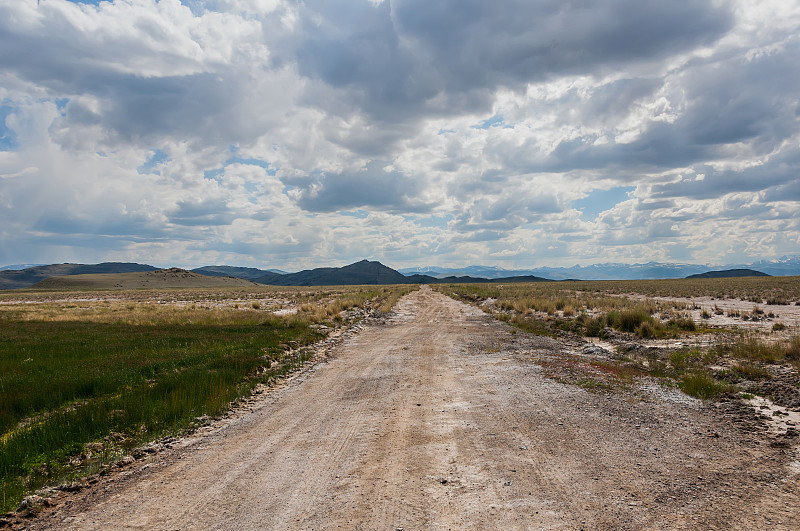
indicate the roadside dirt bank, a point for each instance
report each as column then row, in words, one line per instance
column 442, row 418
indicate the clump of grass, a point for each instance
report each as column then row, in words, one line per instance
column 778, row 327
column 682, row 323
column 650, row 329
column 593, row 326
column 792, row 350
column 630, row 320
column 700, row 384
column 684, row 359
column 755, row 349
column 750, row 371
column 593, row 385
column 638, row 321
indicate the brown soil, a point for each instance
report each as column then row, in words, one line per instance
column 442, row 418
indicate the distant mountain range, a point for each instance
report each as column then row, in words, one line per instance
column 374, row 273
column 368, row 273
column 786, row 266
column 63, row 276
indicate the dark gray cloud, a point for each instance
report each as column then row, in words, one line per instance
column 733, row 101
column 208, row 212
column 144, row 79
column 494, row 216
column 395, row 58
column 743, row 99
column 778, row 177
column 372, row 187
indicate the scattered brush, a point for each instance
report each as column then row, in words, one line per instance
column 682, row 323
column 750, row 371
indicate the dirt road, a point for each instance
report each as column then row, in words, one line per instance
column 443, row 419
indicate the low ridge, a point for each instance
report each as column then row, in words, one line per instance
column 162, row 278
column 730, row 273
column 23, row 278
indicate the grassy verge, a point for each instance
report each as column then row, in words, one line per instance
column 700, row 384
column 83, row 383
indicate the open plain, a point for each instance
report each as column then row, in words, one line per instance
column 444, row 418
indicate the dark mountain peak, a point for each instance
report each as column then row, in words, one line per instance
column 366, row 265
column 363, row 272
column 730, row 273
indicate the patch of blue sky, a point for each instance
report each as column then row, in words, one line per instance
column 217, row 172
column 494, row 121
column 360, row 214
column 445, row 131
column 198, row 6
column 8, row 138
column 157, row 157
column 430, row 221
column 601, row 200
column 61, row 104
column 252, row 162
column 214, row 175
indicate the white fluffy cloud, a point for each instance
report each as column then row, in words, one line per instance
column 284, row 134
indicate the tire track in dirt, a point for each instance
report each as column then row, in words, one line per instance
column 442, row 419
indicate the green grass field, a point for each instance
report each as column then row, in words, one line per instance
column 111, row 375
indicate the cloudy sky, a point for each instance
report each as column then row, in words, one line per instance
column 294, row 134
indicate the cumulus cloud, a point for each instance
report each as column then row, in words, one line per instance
column 292, row 134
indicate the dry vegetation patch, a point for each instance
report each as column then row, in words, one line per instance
column 662, row 329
